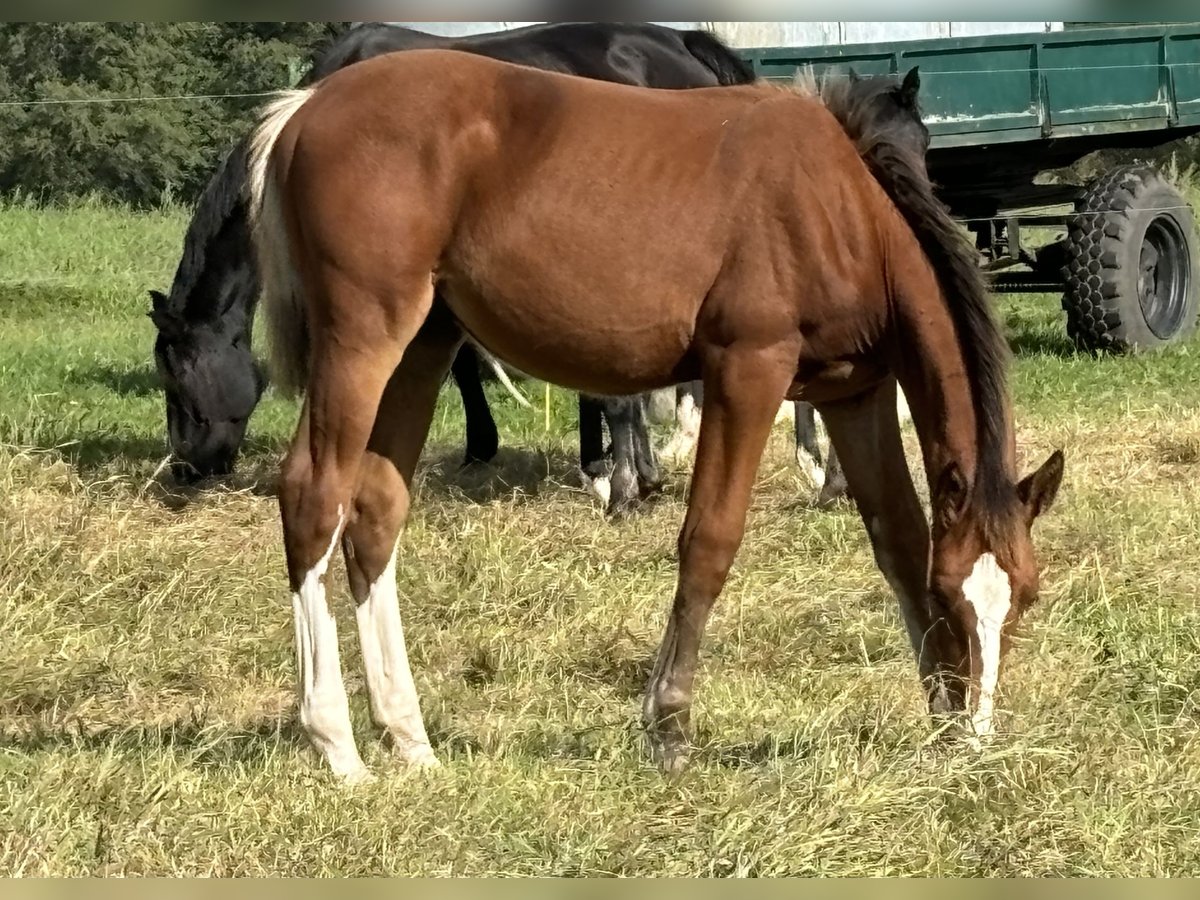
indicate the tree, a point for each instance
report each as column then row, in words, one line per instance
column 132, row 148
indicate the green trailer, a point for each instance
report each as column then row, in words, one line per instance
column 1004, row 111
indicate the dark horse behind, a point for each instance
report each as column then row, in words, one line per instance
column 203, row 348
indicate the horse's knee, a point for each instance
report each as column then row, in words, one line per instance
column 313, row 512
column 378, row 514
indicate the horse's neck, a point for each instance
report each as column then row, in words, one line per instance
column 932, row 371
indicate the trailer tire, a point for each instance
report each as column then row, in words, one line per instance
column 1131, row 264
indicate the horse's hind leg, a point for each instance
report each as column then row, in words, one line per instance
column 866, row 435
column 377, row 517
column 482, row 439
column 743, row 389
column 317, row 483
column 649, row 480
column 620, row 412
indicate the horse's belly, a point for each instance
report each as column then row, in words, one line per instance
column 598, row 343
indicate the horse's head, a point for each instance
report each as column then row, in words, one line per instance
column 212, row 384
column 984, row 576
column 892, row 106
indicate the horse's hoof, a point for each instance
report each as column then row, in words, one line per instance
column 621, row 510
column 648, row 489
column 599, row 487
column 358, row 777
column 671, row 753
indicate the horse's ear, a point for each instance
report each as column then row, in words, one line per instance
column 158, row 314
column 854, row 76
column 1037, row 491
column 910, row 88
column 950, row 496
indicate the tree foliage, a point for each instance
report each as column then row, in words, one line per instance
column 135, row 150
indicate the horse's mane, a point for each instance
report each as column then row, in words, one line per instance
column 729, row 68
column 900, row 170
column 220, row 200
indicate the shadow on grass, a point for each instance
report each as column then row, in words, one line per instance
column 1041, row 342
column 211, row 746
column 126, row 380
column 515, row 473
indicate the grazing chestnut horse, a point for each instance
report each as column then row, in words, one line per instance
column 615, row 240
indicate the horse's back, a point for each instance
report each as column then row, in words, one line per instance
column 534, row 196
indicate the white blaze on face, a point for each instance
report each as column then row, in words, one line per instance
column 324, row 707
column 989, row 592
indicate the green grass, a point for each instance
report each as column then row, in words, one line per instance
column 147, row 718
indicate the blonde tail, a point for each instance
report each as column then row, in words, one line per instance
column 282, row 292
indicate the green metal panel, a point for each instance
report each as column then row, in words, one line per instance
column 1003, row 88
column 1182, row 57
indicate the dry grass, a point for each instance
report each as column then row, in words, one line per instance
column 146, row 705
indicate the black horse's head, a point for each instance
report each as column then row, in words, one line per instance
column 892, row 106
column 212, row 384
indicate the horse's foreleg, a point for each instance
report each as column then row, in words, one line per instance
column 317, row 484
column 743, row 389
column 866, row 434
column 482, row 439
column 593, row 465
column 377, row 518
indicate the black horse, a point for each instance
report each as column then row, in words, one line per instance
column 203, row 353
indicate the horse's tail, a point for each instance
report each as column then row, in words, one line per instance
column 723, row 62
column 283, row 301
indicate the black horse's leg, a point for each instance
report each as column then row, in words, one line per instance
column 835, row 486
column 689, row 398
column 808, row 450
column 829, row 480
column 649, row 480
column 482, row 438
column 620, row 414
column 591, row 437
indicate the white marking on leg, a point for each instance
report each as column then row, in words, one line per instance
column 394, row 702
column 810, row 467
column 600, row 487
column 687, row 431
column 989, row 592
column 324, row 706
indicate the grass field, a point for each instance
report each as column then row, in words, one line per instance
column 146, row 680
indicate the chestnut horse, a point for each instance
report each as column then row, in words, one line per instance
column 615, row 240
